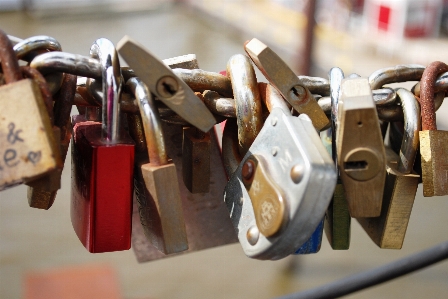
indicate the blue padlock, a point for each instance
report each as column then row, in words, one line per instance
column 314, row 242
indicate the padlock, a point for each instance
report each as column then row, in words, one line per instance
column 433, row 143
column 39, row 197
column 313, row 244
column 165, row 85
column 337, row 218
column 50, row 181
column 270, row 98
column 101, row 200
column 286, row 82
column 389, row 229
column 28, row 148
column 247, row 100
column 360, row 149
column 157, row 188
column 196, row 144
column 196, row 160
column 281, row 189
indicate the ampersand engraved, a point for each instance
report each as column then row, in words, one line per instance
column 34, row 157
column 13, row 136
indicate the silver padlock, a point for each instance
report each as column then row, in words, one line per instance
column 281, row 189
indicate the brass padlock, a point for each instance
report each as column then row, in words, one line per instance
column 286, row 82
column 160, row 203
column 389, row 229
column 39, row 197
column 433, row 143
column 360, row 149
column 28, row 148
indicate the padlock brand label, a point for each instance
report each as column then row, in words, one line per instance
column 26, row 151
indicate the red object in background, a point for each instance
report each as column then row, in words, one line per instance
column 80, row 282
column 383, row 17
column 102, row 185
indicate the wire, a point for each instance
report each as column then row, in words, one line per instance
column 375, row 276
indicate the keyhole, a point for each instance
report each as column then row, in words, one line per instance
column 356, row 165
column 169, row 88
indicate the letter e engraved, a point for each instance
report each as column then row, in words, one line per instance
column 9, row 156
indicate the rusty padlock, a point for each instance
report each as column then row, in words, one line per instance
column 27, row 149
column 102, row 167
column 433, row 143
column 38, row 195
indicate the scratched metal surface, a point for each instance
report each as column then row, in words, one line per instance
column 36, row 239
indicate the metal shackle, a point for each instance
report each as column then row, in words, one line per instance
column 247, row 100
column 74, row 64
column 399, row 73
column 104, row 50
column 9, row 61
column 412, row 126
column 272, row 98
column 440, row 85
column 38, row 42
column 152, row 124
column 336, row 75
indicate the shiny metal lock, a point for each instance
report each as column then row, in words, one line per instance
column 281, row 189
column 433, row 142
column 389, row 229
column 337, row 217
column 28, row 148
column 101, row 200
column 286, row 82
column 157, row 188
column 360, row 149
column 40, row 194
column 165, row 85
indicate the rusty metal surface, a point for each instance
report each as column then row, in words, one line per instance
column 8, row 59
column 38, row 42
column 37, row 77
column 427, row 91
column 206, row 217
column 247, row 100
column 200, row 80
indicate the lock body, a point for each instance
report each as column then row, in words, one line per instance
column 360, row 149
column 338, row 220
column 389, row 229
column 28, row 148
column 101, row 199
column 302, row 178
column 196, row 160
column 314, row 242
column 434, row 161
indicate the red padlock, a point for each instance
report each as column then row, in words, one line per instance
column 102, row 167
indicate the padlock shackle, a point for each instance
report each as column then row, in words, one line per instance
column 440, row 85
column 335, row 75
column 37, row 77
column 247, row 100
column 104, row 50
column 9, row 61
column 68, row 63
column 38, row 42
column 399, row 73
column 272, row 98
column 152, row 124
column 412, row 125
column 427, row 92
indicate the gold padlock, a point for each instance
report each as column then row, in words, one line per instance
column 27, row 146
column 389, row 229
column 433, row 143
column 360, row 149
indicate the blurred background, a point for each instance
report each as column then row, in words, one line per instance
column 311, row 36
